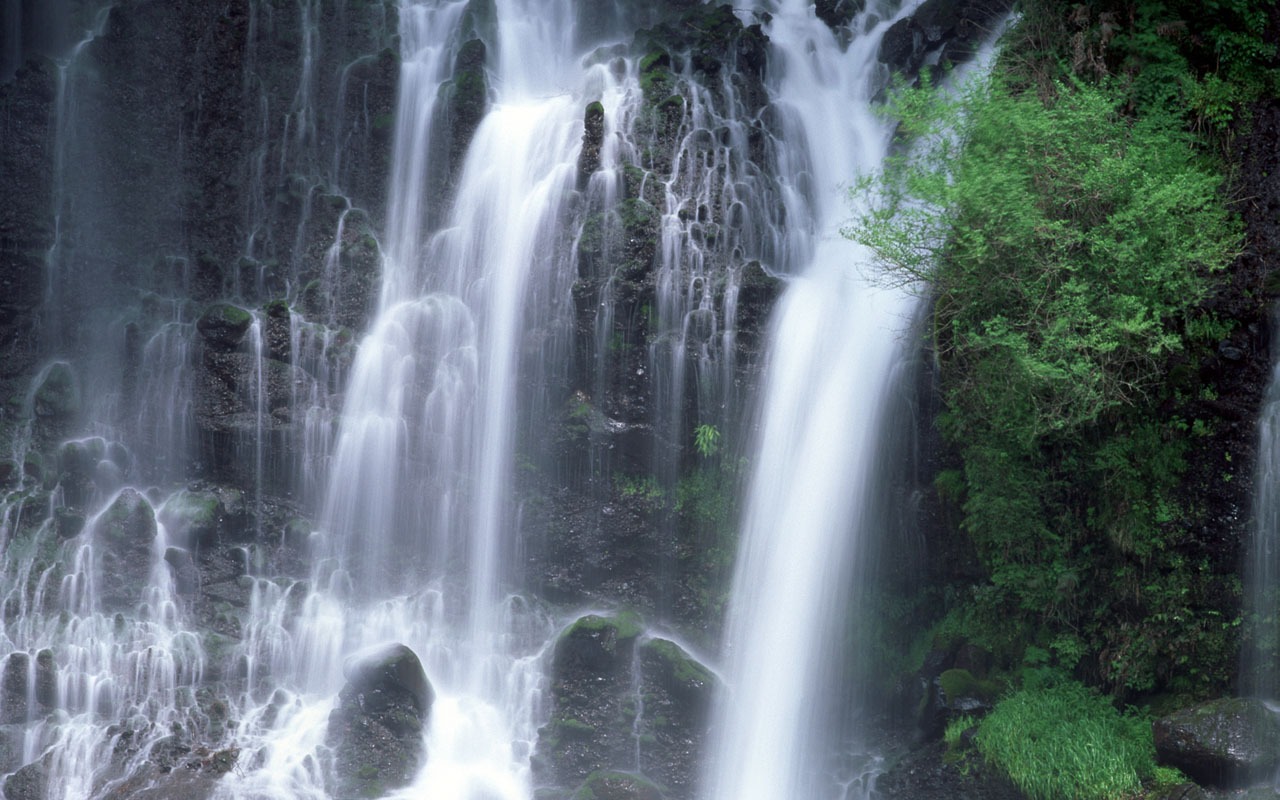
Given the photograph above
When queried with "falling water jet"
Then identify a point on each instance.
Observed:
(835, 339)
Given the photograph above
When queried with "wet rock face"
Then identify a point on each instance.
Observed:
(376, 731)
(177, 769)
(125, 533)
(26, 215)
(947, 31)
(31, 782)
(925, 773)
(838, 13)
(24, 695)
(622, 705)
(1224, 743)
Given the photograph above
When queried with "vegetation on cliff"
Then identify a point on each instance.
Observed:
(1072, 217)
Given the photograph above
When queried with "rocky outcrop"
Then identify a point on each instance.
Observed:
(176, 768)
(1225, 743)
(940, 31)
(621, 704)
(376, 731)
(26, 218)
(28, 687)
(926, 772)
(31, 782)
(124, 537)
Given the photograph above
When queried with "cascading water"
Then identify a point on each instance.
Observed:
(818, 492)
(167, 603)
(1260, 677)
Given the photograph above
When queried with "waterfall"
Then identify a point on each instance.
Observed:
(809, 516)
(317, 367)
(1262, 567)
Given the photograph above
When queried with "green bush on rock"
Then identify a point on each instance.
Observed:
(1068, 249)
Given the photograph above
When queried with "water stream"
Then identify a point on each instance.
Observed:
(808, 517)
(405, 458)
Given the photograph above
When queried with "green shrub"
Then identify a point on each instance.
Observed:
(1066, 743)
(1068, 249)
(956, 728)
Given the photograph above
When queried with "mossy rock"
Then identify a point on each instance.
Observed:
(479, 20)
(223, 326)
(965, 693)
(592, 142)
(678, 672)
(193, 515)
(622, 628)
(124, 535)
(606, 785)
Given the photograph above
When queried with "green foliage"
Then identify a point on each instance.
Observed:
(956, 728)
(644, 488)
(1067, 247)
(1091, 236)
(1199, 61)
(1064, 742)
(706, 440)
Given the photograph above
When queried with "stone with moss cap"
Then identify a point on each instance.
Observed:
(377, 727)
(223, 326)
(593, 700)
(605, 785)
(124, 535)
(592, 142)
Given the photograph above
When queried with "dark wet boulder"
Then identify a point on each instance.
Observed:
(24, 695)
(1227, 743)
(593, 699)
(838, 14)
(223, 326)
(930, 772)
(592, 141)
(58, 395)
(946, 31)
(192, 518)
(377, 728)
(617, 697)
(176, 769)
(31, 782)
(125, 534)
(465, 99)
(677, 693)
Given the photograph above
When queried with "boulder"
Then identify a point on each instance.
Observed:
(947, 30)
(125, 534)
(930, 772)
(22, 698)
(593, 701)
(31, 782)
(1226, 743)
(629, 714)
(592, 142)
(838, 14)
(376, 731)
(192, 518)
(223, 326)
(678, 693)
